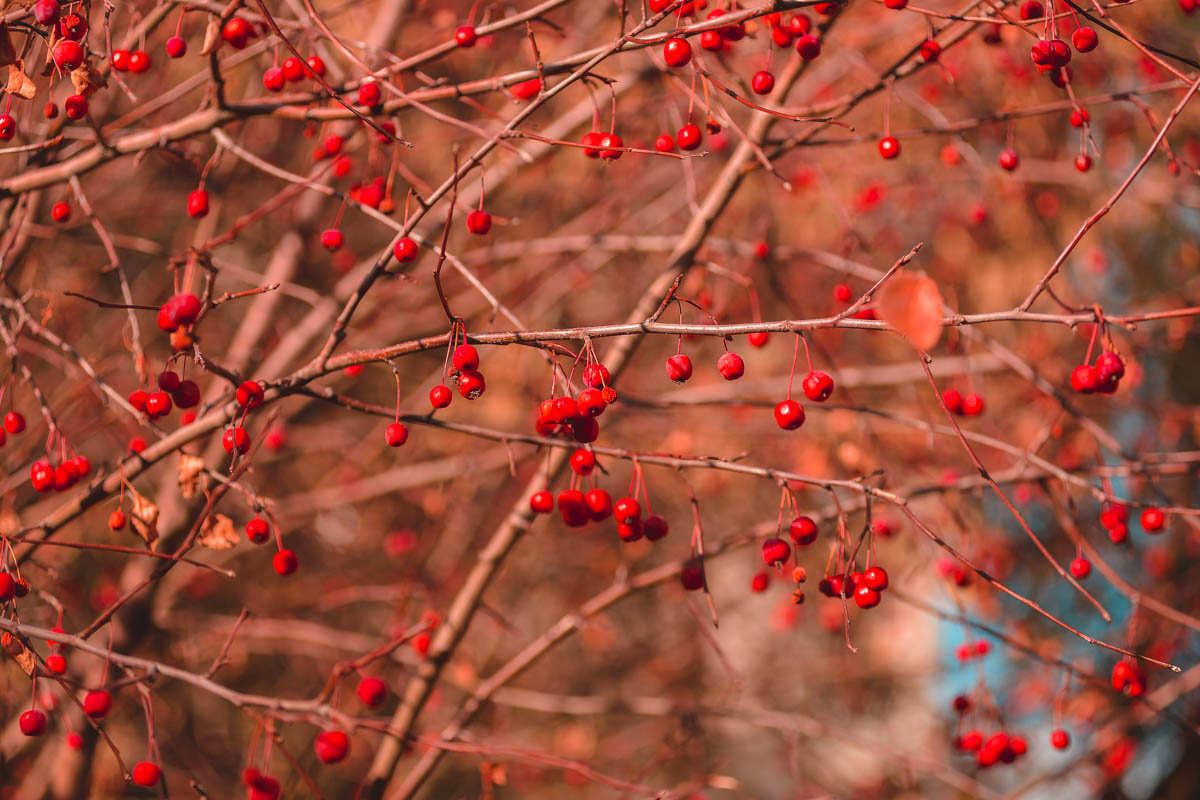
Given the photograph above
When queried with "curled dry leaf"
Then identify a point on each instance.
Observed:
(144, 516)
(19, 83)
(87, 79)
(217, 532)
(912, 305)
(16, 649)
(191, 471)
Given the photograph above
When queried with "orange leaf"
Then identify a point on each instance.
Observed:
(912, 305)
(19, 83)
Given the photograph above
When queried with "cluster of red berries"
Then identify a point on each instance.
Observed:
(135, 61)
(969, 650)
(1114, 517)
(577, 416)
(292, 70)
(999, 748)
(865, 587)
(970, 405)
(172, 391)
(237, 32)
(602, 145)
(1129, 678)
(45, 476)
(1103, 377)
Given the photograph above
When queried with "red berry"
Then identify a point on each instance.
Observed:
(316, 65)
(8, 127)
(32, 722)
(187, 395)
(68, 54)
(1085, 39)
(465, 36)
(146, 773)
(405, 250)
(591, 403)
(876, 578)
(592, 140)
(395, 434)
(1083, 162)
(1118, 533)
(843, 293)
(930, 51)
(817, 386)
(789, 415)
(285, 562)
(731, 366)
(249, 394)
(1080, 568)
(655, 527)
(626, 510)
(479, 222)
(953, 401)
(176, 47)
(75, 106)
(439, 396)
(527, 89)
(692, 575)
(677, 52)
(762, 82)
(197, 204)
(257, 530)
(471, 384)
(583, 462)
(629, 531)
(775, 551)
(158, 404)
(664, 143)
(972, 405)
(1060, 739)
(56, 663)
(611, 144)
(14, 422)
(808, 46)
(236, 439)
(802, 531)
(1152, 520)
(679, 368)
(139, 61)
(542, 502)
(97, 704)
(8, 587)
(599, 504)
(1084, 379)
(369, 94)
(866, 597)
(371, 691)
(688, 137)
(1109, 366)
(1009, 160)
(45, 11)
(758, 338)
(760, 582)
(1032, 9)
(465, 357)
(119, 60)
(332, 239)
(889, 147)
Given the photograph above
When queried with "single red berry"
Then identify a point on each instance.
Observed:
(1083, 162)
(876, 578)
(817, 386)
(692, 575)
(471, 384)
(1032, 9)
(32, 722)
(1080, 567)
(465, 357)
(273, 79)
(439, 396)
(14, 422)
(677, 52)
(808, 46)
(75, 106)
(1084, 379)
(45, 11)
(258, 531)
(775, 551)
(119, 60)
(187, 395)
(526, 90)
(789, 415)
(599, 504)
(479, 222)
(1153, 520)
(371, 691)
(762, 82)
(293, 69)
(116, 520)
(249, 394)
(731, 366)
(73, 26)
(8, 127)
(611, 145)
(1009, 160)
(972, 405)
(158, 404)
(592, 140)
(8, 587)
(1085, 39)
(961, 703)
(176, 47)
(542, 502)
(369, 94)
(236, 439)
(395, 434)
(146, 773)
(1118, 533)
(760, 582)
(405, 250)
(688, 137)
(596, 376)
(1109, 366)
(197, 204)
(139, 61)
(889, 147)
(583, 462)
(168, 380)
(627, 509)
(315, 65)
(655, 527)
(758, 338)
(285, 562)
(1060, 739)
(97, 704)
(465, 36)
(866, 597)
(1079, 117)
(664, 143)
(802, 531)
(332, 239)
(679, 368)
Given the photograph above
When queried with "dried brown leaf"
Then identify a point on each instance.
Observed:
(19, 83)
(217, 532)
(87, 79)
(19, 653)
(144, 516)
(191, 471)
(912, 305)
